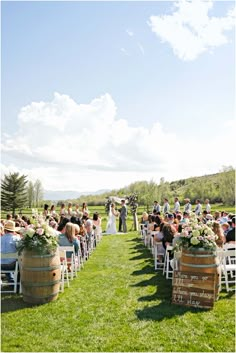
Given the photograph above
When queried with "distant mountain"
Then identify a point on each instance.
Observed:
(69, 194)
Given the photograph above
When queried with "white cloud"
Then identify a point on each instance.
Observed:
(130, 33)
(190, 31)
(86, 147)
(141, 48)
(124, 51)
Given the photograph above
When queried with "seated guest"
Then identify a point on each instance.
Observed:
(89, 232)
(230, 236)
(9, 245)
(69, 238)
(169, 233)
(225, 227)
(185, 218)
(61, 226)
(144, 218)
(158, 238)
(217, 229)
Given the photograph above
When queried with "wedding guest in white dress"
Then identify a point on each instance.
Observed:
(111, 224)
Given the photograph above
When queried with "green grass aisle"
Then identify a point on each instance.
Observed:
(118, 303)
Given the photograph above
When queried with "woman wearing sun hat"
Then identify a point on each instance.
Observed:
(8, 245)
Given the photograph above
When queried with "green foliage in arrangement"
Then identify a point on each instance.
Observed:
(13, 192)
(118, 303)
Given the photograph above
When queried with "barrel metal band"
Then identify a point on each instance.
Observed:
(41, 268)
(199, 266)
(40, 284)
(199, 255)
(40, 256)
(41, 296)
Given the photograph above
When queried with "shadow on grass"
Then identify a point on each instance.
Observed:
(163, 294)
(8, 303)
(165, 310)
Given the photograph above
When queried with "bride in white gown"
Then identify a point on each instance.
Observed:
(111, 224)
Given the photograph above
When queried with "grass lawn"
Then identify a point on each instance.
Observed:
(118, 303)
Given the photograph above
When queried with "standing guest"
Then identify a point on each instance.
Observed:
(198, 208)
(77, 212)
(53, 211)
(45, 211)
(208, 206)
(217, 229)
(156, 207)
(62, 211)
(122, 217)
(69, 212)
(84, 208)
(187, 206)
(9, 245)
(176, 205)
(97, 221)
(230, 237)
(166, 206)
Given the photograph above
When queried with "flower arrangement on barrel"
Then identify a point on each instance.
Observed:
(38, 237)
(196, 235)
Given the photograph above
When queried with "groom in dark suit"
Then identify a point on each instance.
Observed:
(123, 216)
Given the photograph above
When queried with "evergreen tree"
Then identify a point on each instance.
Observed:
(13, 192)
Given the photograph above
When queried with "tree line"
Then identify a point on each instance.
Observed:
(17, 192)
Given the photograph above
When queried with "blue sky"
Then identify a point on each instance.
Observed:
(123, 69)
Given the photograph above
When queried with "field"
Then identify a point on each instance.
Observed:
(118, 303)
(101, 211)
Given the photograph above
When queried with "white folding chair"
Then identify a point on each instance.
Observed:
(158, 256)
(15, 273)
(167, 269)
(72, 260)
(64, 269)
(228, 269)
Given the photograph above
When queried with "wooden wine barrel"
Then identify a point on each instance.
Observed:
(40, 277)
(201, 261)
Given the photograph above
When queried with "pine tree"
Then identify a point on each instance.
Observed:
(13, 192)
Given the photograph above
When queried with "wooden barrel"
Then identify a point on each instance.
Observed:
(40, 277)
(201, 261)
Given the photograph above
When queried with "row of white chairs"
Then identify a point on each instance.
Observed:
(167, 263)
(70, 265)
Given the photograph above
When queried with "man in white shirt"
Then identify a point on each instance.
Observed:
(176, 205)
(208, 206)
(156, 207)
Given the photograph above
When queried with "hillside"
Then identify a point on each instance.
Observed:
(218, 187)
